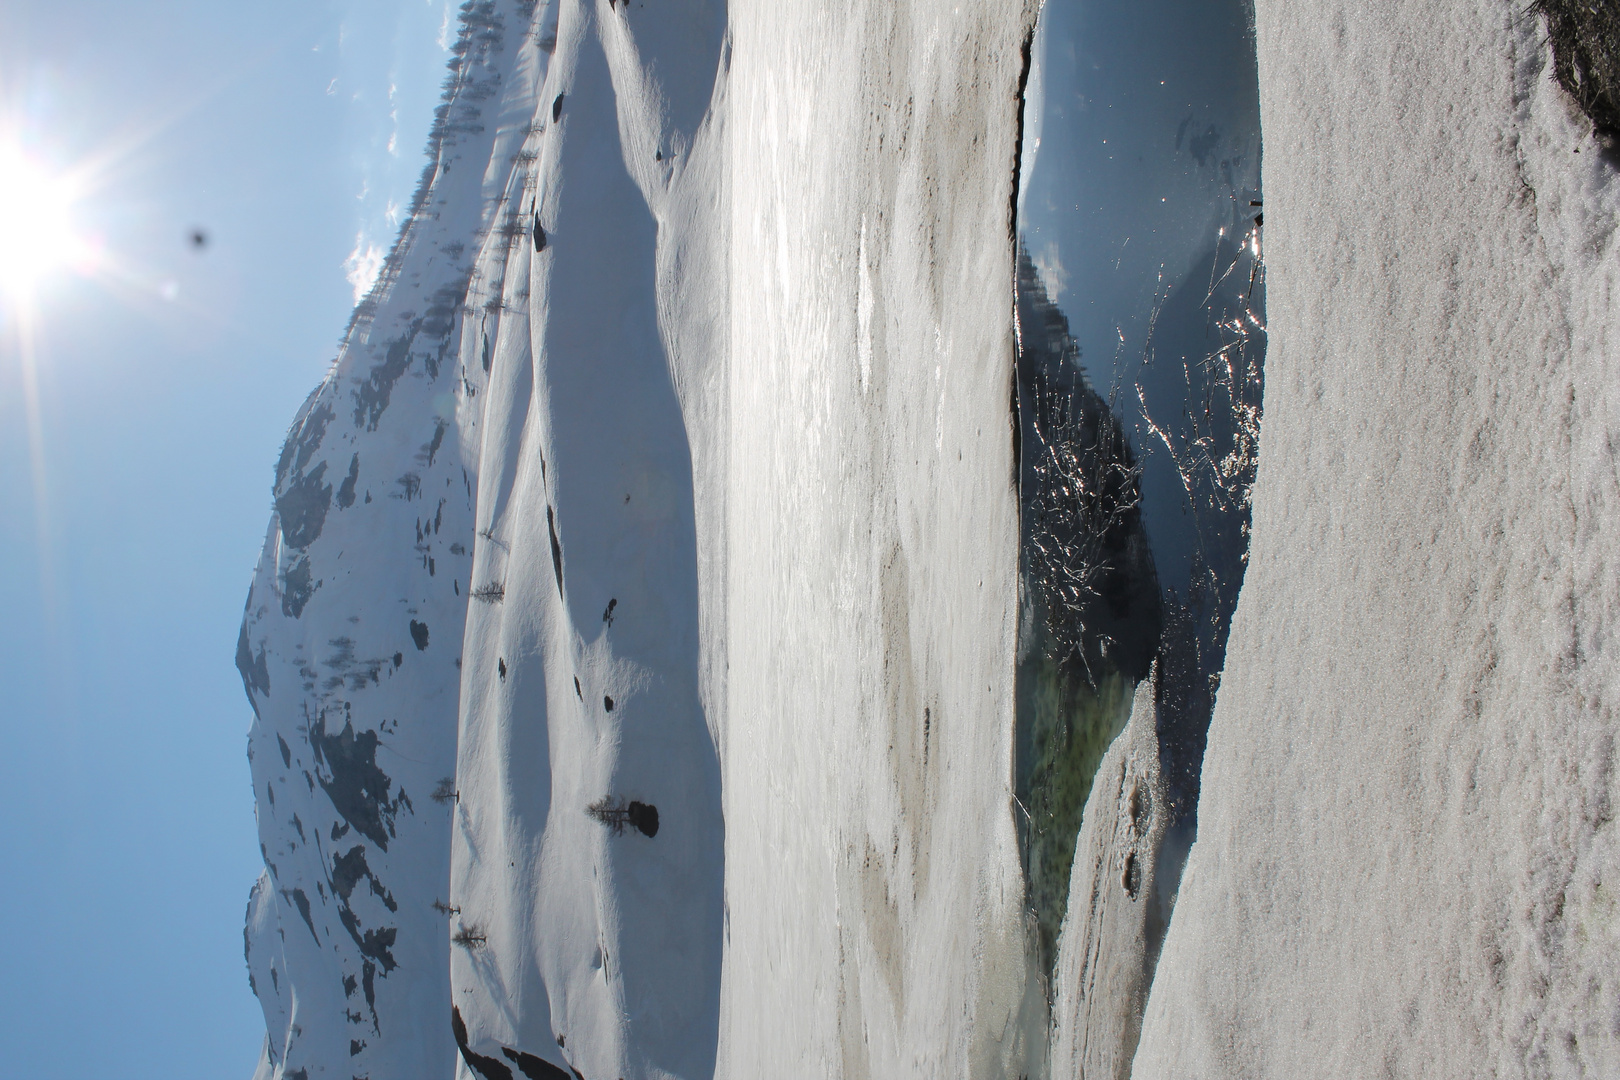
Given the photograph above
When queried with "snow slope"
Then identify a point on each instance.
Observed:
(351, 644)
(1406, 851)
(601, 944)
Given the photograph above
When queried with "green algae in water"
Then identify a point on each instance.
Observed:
(1072, 724)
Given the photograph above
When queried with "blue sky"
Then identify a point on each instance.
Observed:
(129, 528)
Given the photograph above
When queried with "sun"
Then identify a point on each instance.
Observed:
(38, 232)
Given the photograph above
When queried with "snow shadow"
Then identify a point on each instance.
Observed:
(626, 550)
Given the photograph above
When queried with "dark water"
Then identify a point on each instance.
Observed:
(1141, 300)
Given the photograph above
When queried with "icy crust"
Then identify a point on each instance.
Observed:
(1406, 856)
(350, 646)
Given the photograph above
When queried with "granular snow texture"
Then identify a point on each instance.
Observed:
(1406, 853)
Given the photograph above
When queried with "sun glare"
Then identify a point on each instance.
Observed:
(37, 230)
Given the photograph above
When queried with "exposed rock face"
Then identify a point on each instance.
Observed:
(1585, 40)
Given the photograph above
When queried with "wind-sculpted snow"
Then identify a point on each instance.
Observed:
(350, 647)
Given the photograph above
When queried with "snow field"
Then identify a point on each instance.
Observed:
(583, 682)
(873, 887)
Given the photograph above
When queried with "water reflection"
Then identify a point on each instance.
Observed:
(1141, 327)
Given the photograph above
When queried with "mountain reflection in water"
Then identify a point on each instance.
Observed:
(1141, 301)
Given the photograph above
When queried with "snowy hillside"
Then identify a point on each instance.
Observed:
(597, 935)
(351, 645)
(758, 593)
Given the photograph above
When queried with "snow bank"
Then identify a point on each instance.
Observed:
(1406, 846)
(1105, 961)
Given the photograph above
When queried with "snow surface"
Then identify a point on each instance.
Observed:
(1406, 850)
(1105, 961)
(873, 888)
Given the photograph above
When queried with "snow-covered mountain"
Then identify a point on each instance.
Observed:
(750, 596)
(351, 647)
